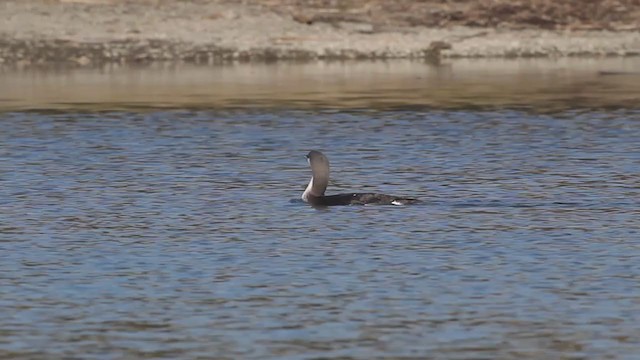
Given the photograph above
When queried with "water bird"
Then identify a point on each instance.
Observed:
(314, 193)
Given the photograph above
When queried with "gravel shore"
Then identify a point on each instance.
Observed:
(94, 32)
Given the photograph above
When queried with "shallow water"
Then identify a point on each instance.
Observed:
(179, 234)
(539, 85)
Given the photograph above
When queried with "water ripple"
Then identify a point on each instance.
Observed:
(180, 235)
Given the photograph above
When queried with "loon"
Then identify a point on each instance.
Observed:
(314, 193)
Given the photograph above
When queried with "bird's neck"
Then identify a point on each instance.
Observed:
(317, 186)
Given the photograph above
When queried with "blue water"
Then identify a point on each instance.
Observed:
(179, 235)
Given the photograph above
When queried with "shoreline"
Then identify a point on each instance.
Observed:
(98, 32)
(534, 85)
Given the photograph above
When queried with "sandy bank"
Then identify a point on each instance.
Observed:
(90, 32)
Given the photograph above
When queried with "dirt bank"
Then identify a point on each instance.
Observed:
(617, 15)
(92, 32)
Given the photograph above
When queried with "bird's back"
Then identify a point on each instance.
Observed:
(362, 199)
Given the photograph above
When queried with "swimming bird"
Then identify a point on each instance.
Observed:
(314, 193)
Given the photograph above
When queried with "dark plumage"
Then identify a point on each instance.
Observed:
(314, 193)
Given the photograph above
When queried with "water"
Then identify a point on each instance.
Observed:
(178, 233)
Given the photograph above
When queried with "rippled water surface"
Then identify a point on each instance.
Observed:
(179, 234)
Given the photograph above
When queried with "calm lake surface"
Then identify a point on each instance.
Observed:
(173, 229)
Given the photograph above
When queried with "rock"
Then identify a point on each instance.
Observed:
(82, 60)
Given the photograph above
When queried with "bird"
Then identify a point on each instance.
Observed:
(314, 193)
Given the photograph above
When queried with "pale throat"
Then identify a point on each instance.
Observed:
(318, 183)
(317, 186)
(308, 190)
